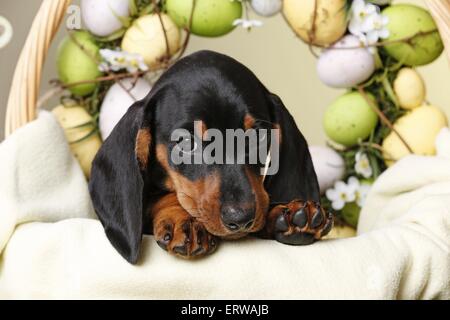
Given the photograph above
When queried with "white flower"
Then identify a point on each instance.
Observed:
(368, 24)
(115, 60)
(368, 42)
(362, 165)
(375, 26)
(247, 24)
(353, 183)
(352, 191)
(341, 194)
(360, 10)
(361, 194)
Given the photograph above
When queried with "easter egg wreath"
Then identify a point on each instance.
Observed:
(371, 48)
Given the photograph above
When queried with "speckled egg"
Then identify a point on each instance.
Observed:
(75, 62)
(350, 119)
(267, 8)
(341, 232)
(409, 88)
(146, 37)
(419, 128)
(345, 68)
(117, 101)
(101, 16)
(330, 19)
(211, 18)
(79, 129)
(405, 21)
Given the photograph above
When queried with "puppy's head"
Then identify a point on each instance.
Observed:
(182, 133)
(215, 183)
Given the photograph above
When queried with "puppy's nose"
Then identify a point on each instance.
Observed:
(237, 219)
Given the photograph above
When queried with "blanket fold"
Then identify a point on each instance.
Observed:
(52, 246)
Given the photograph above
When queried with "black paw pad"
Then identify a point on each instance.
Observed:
(300, 218)
(317, 219)
(281, 224)
(301, 223)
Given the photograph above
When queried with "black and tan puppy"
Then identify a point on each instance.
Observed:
(137, 188)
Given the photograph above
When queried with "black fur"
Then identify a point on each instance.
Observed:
(203, 86)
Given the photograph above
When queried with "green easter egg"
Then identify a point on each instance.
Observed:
(350, 118)
(350, 213)
(406, 20)
(211, 18)
(76, 64)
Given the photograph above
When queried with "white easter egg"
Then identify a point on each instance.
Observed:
(338, 67)
(100, 16)
(6, 32)
(267, 8)
(117, 101)
(329, 166)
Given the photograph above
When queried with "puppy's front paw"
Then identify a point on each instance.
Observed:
(185, 237)
(299, 222)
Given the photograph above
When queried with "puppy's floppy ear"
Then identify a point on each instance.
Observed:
(296, 178)
(117, 183)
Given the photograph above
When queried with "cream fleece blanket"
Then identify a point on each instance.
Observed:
(52, 247)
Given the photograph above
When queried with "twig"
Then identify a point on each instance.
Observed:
(312, 32)
(109, 77)
(188, 32)
(383, 118)
(379, 148)
(48, 95)
(407, 40)
(96, 61)
(82, 48)
(158, 12)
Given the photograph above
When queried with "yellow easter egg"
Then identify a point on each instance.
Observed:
(79, 131)
(146, 37)
(341, 232)
(419, 128)
(409, 88)
(329, 25)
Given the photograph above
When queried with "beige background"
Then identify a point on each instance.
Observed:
(280, 60)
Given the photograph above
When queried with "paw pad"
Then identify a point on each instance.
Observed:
(301, 223)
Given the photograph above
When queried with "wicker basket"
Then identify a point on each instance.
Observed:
(23, 96)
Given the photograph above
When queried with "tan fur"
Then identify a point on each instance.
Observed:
(142, 148)
(249, 121)
(201, 198)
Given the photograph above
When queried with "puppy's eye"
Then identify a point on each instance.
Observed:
(187, 145)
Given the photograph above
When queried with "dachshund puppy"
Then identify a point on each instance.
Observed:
(137, 187)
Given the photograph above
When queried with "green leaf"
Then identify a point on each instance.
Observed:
(147, 10)
(390, 91)
(90, 134)
(374, 164)
(347, 7)
(83, 125)
(133, 8)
